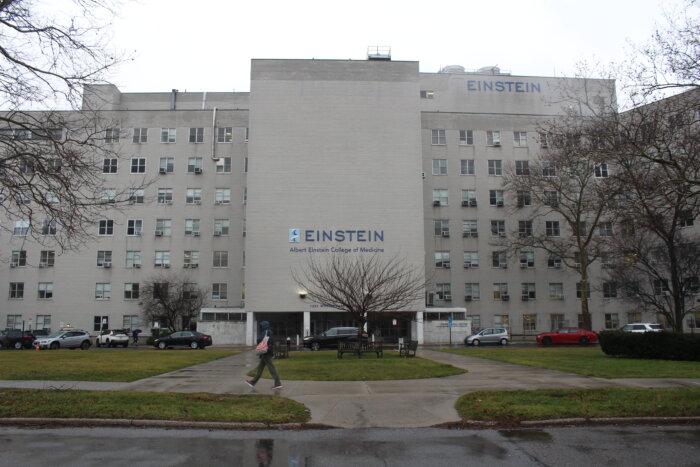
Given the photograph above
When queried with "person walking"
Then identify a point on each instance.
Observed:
(266, 358)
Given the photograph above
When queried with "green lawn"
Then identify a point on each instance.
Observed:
(588, 361)
(32, 403)
(99, 365)
(545, 404)
(325, 366)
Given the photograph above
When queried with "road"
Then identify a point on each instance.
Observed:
(594, 445)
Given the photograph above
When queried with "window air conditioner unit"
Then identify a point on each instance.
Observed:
(465, 234)
(157, 265)
(217, 233)
(467, 265)
(544, 145)
(465, 203)
(436, 203)
(505, 298)
(195, 234)
(137, 266)
(186, 265)
(501, 234)
(166, 266)
(561, 297)
(43, 265)
(446, 233)
(162, 171)
(525, 298)
(497, 144)
(197, 202)
(520, 204)
(218, 202)
(577, 265)
(197, 170)
(132, 201)
(13, 265)
(522, 234)
(503, 266)
(475, 234)
(447, 297)
(195, 265)
(168, 201)
(499, 204)
(523, 265)
(106, 265)
(446, 264)
(472, 202)
(467, 298)
(159, 233)
(557, 265)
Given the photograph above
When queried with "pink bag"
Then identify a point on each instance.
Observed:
(261, 349)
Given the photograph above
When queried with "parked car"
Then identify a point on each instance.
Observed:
(68, 339)
(331, 337)
(16, 339)
(39, 333)
(112, 338)
(567, 336)
(642, 327)
(193, 339)
(489, 336)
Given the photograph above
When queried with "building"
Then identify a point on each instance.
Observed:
(320, 157)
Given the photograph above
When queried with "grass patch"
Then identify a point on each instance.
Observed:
(588, 361)
(546, 404)
(99, 365)
(326, 366)
(34, 403)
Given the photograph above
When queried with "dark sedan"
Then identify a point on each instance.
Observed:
(331, 338)
(191, 339)
(567, 336)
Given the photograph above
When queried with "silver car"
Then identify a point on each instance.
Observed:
(642, 327)
(68, 339)
(489, 336)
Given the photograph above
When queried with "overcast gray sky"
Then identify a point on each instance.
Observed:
(207, 45)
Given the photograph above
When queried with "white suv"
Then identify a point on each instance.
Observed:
(112, 338)
(642, 327)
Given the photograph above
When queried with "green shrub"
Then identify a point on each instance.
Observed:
(656, 345)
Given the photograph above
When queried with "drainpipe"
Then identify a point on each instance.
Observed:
(213, 135)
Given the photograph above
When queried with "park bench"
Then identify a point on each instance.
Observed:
(406, 348)
(358, 348)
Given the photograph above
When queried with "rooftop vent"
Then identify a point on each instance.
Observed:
(489, 70)
(379, 52)
(452, 69)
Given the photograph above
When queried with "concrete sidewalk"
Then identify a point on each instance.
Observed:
(366, 404)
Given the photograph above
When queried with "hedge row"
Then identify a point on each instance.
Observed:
(657, 345)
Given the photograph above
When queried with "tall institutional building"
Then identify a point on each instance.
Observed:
(321, 157)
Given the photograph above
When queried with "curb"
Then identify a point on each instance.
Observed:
(172, 424)
(483, 424)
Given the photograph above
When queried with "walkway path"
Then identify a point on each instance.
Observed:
(364, 404)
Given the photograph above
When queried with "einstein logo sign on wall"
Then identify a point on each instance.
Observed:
(294, 236)
(336, 236)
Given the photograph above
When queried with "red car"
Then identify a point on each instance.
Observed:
(567, 336)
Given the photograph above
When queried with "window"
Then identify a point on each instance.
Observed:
(224, 134)
(23, 197)
(219, 291)
(220, 259)
(192, 227)
(47, 258)
(468, 197)
(21, 228)
(691, 285)
(466, 137)
(130, 321)
(544, 140)
(528, 291)
(427, 94)
(162, 259)
(109, 165)
(498, 228)
(522, 168)
(472, 292)
(556, 291)
(166, 165)
(606, 229)
(100, 322)
(527, 259)
(51, 197)
(45, 290)
(440, 197)
(441, 226)
(14, 321)
(467, 167)
(131, 292)
(223, 165)
(495, 167)
(134, 227)
(194, 196)
(439, 166)
(108, 195)
(189, 291)
(552, 228)
(19, 258)
(557, 320)
(168, 135)
(140, 135)
(580, 229)
(221, 226)
(165, 196)
(438, 137)
(520, 139)
(500, 290)
(549, 169)
(104, 256)
(469, 228)
(550, 198)
(103, 291)
(525, 229)
(112, 135)
(493, 138)
(609, 290)
(443, 291)
(138, 165)
(135, 196)
(686, 219)
(164, 227)
(660, 287)
(17, 290)
(601, 171)
(471, 259)
(579, 293)
(106, 227)
(496, 198)
(222, 196)
(499, 259)
(529, 322)
(133, 259)
(191, 259)
(612, 321)
(196, 135)
(442, 259)
(43, 322)
(524, 198)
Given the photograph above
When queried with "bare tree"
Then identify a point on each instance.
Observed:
(171, 301)
(51, 162)
(365, 286)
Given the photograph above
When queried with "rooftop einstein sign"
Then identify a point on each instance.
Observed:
(479, 85)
